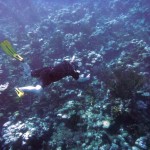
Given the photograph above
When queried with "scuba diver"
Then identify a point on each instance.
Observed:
(47, 75)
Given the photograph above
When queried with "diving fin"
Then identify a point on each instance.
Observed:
(9, 50)
(19, 92)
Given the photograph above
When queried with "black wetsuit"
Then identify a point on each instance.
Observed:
(48, 75)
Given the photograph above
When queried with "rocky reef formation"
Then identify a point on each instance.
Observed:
(110, 40)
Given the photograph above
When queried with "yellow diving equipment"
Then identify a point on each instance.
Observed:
(19, 92)
(8, 49)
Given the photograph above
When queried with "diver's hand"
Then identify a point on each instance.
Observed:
(84, 79)
(88, 77)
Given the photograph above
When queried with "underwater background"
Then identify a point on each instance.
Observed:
(111, 41)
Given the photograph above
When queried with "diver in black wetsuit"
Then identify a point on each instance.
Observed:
(48, 75)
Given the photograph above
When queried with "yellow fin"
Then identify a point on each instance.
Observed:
(9, 50)
(19, 92)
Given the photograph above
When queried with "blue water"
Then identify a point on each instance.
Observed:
(111, 41)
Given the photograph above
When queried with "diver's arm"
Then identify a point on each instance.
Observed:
(31, 89)
(83, 78)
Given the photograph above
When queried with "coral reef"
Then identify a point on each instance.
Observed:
(110, 40)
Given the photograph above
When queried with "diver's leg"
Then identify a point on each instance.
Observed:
(26, 68)
(37, 72)
(29, 89)
(36, 88)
